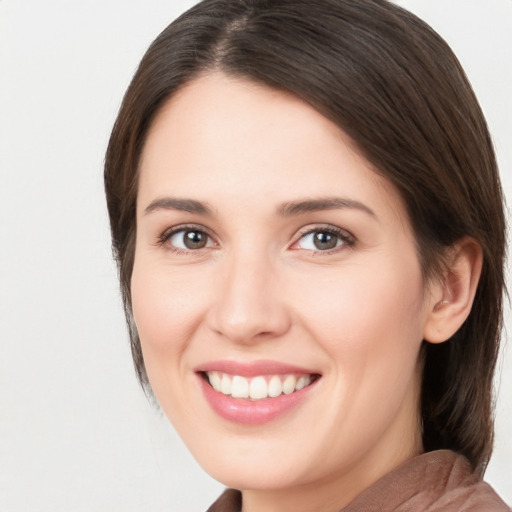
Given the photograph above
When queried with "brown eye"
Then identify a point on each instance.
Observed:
(324, 241)
(195, 239)
(189, 239)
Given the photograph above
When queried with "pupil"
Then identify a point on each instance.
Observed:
(194, 240)
(325, 241)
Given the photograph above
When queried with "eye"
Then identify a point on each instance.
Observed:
(324, 240)
(187, 239)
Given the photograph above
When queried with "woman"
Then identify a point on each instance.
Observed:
(308, 221)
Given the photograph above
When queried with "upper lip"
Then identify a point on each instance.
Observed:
(254, 368)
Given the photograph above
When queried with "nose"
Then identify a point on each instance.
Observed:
(250, 305)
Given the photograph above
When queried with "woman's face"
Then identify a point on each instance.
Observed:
(277, 292)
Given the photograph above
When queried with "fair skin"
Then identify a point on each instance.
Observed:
(264, 239)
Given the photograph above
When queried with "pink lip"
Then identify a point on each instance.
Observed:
(252, 412)
(254, 368)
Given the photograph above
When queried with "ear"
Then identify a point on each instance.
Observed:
(453, 294)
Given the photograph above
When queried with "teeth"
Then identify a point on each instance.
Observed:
(239, 387)
(275, 386)
(302, 382)
(257, 388)
(289, 384)
(225, 385)
(215, 380)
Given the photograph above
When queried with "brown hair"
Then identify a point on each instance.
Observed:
(395, 87)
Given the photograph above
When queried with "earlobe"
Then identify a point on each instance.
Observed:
(454, 294)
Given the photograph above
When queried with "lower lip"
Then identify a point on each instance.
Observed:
(252, 412)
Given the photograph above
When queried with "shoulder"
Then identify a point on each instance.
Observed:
(464, 490)
(440, 481)
(480, 498)
(229, 501)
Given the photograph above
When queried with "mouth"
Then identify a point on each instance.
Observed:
(259, 387)
(255, 393)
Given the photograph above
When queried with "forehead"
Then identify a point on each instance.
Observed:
(219, 137)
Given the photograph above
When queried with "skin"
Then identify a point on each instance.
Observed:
(260, 289)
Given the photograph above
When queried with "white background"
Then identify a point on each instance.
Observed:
(76, 433)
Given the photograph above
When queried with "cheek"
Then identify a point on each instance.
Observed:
(368, 319)
(166, 312)
(167, 309)
(369, 325)
(164, 307)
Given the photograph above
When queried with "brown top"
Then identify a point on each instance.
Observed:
(439, 481)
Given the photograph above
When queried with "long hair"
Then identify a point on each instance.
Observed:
(395, 87)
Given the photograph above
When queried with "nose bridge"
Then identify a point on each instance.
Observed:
(248, 305)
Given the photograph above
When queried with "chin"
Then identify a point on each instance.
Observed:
(253, 476)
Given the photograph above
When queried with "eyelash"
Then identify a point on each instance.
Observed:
(346, 238)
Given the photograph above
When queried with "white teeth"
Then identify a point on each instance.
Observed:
(215, 380)
(239, 387)
(289, 384)
(275, 387)
(257, 388)
(225, 385)
(302, 382)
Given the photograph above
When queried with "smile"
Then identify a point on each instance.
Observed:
(259, 387)
(256, 392)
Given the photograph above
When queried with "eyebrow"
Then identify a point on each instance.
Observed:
(291, 208)
(287, 209)
(183, 205)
